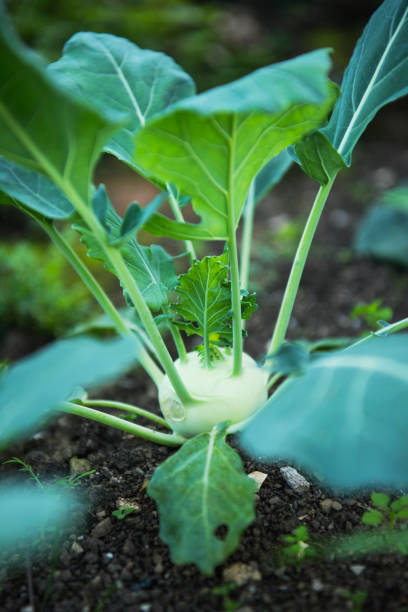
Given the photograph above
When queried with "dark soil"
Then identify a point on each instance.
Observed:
(106, 564)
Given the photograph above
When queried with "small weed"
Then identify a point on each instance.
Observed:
(357, 599)
(372, 314)
(224, 591)
(385, 511)
(122, 512)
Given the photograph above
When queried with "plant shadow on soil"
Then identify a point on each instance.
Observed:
(115, 565)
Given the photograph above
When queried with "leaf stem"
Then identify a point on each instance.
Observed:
(103, 403)
(246, 240)
(178, 215)
(384, 331)
(112, 421)
(234, 266)
(116, 259)
(298, 265)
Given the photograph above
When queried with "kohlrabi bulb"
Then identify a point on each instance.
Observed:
(223, 397)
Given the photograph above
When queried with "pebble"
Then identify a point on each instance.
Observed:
(296, 481)
(259, 478)
(317, 585)
(79, 466)
(240, 573)
(330, 504)
(102, 528)
(77, 548)
(357, 569)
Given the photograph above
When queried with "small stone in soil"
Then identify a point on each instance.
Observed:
(296, 481)
(145, 583)
(102, 528)
(240, 573)
(259, 478)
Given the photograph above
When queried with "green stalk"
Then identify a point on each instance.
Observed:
(102, 403)
(103, 300)
(234, 266)
(384, 331)
(129, 282)
(298, 265)
(178, 340)
(87, 278)
(178, 215)
(112, 421)
(246, 240)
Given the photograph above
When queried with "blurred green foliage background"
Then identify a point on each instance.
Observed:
(214, 41)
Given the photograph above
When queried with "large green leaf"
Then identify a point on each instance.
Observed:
(41, 127)
(199, 489)
(107, 71)
(31, 389)
(152, 268)
(32, 189)
(345, 419)
(211, 146)
(377, 74)
(48, 510)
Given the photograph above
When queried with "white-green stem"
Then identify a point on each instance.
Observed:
(112, 421)
(246, 240)
(234, 266)
(178, 215)
(392, 328)
(135, 294)
(102, 403)
(298, 265)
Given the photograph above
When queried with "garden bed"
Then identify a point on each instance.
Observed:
(109, 564)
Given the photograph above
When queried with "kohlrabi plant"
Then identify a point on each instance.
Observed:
(342, 415)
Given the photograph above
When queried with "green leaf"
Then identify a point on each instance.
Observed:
(160, 225)
(205, 300)
(290, 358)
(381, 500)
(48, 510)
(42, 128)
(372, 517)
(136, 216)
(271, 174)
(152, 268)
(212, 146)
(344, 419)
(32, 389)
(377, 74)
(402, 514)
(248, 303)
(383, 234)
(199, 489)
(318, 158)
(400, 503)
(107, 71)
(33, 190)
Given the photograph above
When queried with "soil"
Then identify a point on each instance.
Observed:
(112, 565)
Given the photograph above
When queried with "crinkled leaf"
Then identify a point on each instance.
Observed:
(33, 190)
(248, 303)
(213, 145)
(48, 510)
(151, 267)
(318, 158)
(345, 418)
(32, 389)
(383, 234)
(43, 128)
(204, 294)
(199, 489)
(107, 71)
